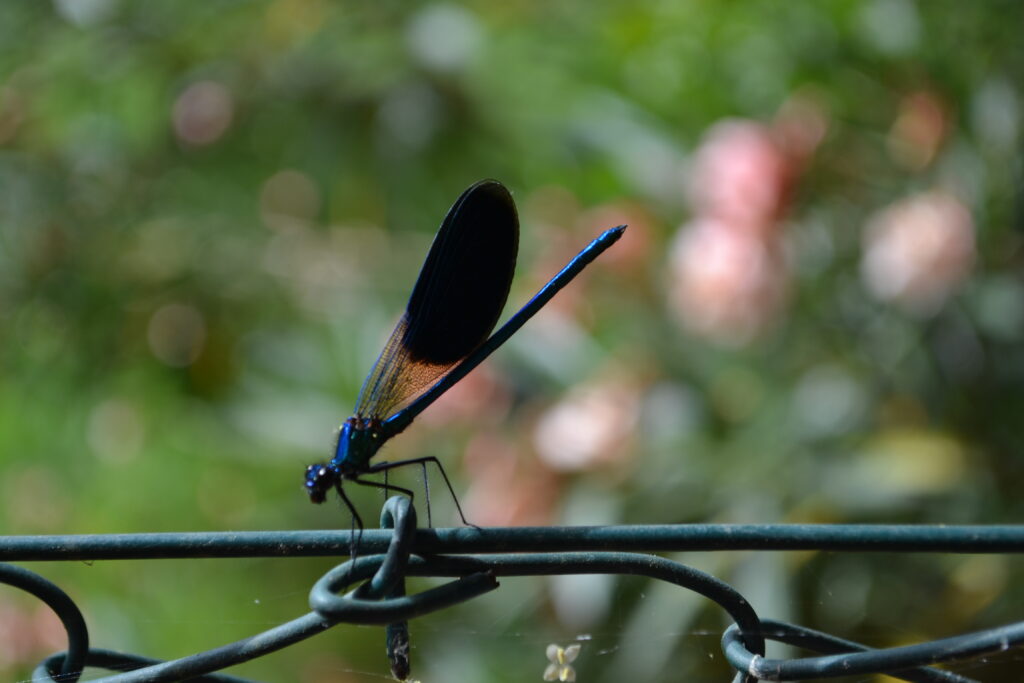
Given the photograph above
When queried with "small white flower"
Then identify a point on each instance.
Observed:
(561, 658)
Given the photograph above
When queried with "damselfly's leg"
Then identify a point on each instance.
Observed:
(382, 485)
(386, 487)
(356, 519)
(355, 537)
(426, 494)
(385, 466)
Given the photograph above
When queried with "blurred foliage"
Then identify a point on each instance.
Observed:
(211, 214)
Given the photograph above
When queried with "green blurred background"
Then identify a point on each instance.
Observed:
(211, 215)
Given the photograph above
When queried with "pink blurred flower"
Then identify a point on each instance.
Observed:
(559, 248)
(918, 251)
(799, 128)
(629, 254)
(12, 112)
(506, 489)
(28, 633)
(574, 229)
(725, 284)
(289, 197)
(176, 334)
(202, 113)
(740, 176)
(590, 427)
(550, 205)
(481, 397)
(38, 482)
(48, 629)
(918, 131)
(728, 276)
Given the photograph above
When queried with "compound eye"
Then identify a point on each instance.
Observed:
(319, 479)
(314, 472)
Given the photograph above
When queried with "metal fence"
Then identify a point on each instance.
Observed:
(370, 588)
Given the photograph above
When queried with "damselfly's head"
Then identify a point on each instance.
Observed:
(319, 480)
(357, 441)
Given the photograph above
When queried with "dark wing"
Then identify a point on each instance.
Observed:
(455, 304)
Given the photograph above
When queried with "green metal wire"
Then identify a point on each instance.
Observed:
(902, 538)
(475, 558)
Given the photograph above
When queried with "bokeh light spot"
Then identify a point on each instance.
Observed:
(918, 251)
(590, 427)
(288, 196)
(828, 401)
(176, 334)
(443, 36)
(892, 27)
(202, 113)
(115, 431)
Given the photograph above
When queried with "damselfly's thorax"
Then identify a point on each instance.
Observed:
(359, 439)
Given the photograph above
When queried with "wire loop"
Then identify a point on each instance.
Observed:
(370, 603)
